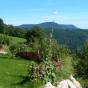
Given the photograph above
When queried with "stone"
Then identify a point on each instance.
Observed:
(49, 85)
(75, 82)
(62, 84)
(70, 84)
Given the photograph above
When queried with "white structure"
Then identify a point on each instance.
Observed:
(3, 52)
(75, 82)
(69, 83)
(62, 84)
(49, 85)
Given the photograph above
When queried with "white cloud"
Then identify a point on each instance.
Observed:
(78, 21)
(56, 12)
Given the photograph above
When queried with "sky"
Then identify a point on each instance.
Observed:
(19, 12)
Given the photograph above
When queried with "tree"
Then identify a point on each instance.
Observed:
(18, 32)
(1, 26)
(15, 31)
(82, 62)
(36, 33)
(10, 30)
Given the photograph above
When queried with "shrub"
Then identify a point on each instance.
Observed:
(46, 69)
(4, 40)
(51, 56)
(84, 82)
(30, 56)
(14, 48)
(81, 63)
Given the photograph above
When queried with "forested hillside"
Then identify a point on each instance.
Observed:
(72, 38)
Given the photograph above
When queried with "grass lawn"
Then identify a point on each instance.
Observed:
(12, 72)
(13, 39)
(17, 40)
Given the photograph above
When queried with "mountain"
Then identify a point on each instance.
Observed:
(27, 26)
(48, 25)
(69, 35)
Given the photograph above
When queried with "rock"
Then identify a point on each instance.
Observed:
(75, 82)
(70, 84)
(49, 85)
(62, 84)
(3, 52)
(66, 84)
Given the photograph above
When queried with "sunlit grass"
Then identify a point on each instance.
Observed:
(12, 71)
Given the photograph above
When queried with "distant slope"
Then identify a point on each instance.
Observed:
(49, 25)
(14, 40)
(27, 26)
(72, 38)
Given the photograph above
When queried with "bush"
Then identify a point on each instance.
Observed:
(81, 63)
(84, 82)
(30, 56)
(12, 49)
(67, 69)
(4, 39)
(52, 53)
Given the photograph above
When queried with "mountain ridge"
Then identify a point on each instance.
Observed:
(49, 25)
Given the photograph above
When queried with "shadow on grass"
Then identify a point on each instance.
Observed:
(26, 81)
(23, 80)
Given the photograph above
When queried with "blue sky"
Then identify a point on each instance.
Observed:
(18, 12)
